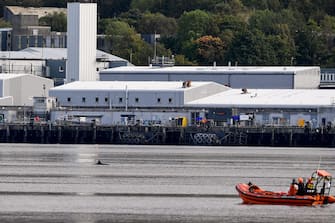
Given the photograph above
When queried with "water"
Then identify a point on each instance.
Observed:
(62, 183)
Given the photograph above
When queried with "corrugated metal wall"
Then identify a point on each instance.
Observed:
(82, 28)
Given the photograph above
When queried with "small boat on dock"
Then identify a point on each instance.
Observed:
(318, 195)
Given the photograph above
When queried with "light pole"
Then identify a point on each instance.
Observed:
(44, 90)
(24, 113)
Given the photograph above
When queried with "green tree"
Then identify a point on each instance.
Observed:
(173, 8)
(306, 7)
(264, 20)
(209, 49)
(57, 21)
(328, 25)
(188, 48)
(276, 27)
(112, 8)
(274, 5)
(231, 7)
(4, 24)
(171, 43)
(256, 4)
(132, 17)
(283, 48)
(157, 23)
(192, 25)
(329, 7)
(294, 19)
(126, 43)
(228, 26)
(311, 45)
(182, 60)
(250, 48)
(143, 5)
(328, 30)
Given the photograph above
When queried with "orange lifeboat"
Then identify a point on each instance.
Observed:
(252, 194)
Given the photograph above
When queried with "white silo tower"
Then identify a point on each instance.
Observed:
(81, 41)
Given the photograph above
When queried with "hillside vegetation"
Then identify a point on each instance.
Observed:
(243, 32)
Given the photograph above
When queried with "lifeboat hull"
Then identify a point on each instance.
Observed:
(255, 195)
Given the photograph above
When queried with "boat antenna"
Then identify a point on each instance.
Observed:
(319, 163)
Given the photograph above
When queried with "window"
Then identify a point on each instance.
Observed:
(83, 99)
(68, 99)
(97, 68)
(136, 100)
(276, 120)
(170, 100)
(35, 32)
(120, 100)
(158, 100)
(195, 118)
(96, 99)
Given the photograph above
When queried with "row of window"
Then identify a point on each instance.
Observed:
(328, 77)
(137, 100)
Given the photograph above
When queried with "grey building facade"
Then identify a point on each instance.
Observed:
(235, 77)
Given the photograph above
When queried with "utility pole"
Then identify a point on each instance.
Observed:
(155, 47)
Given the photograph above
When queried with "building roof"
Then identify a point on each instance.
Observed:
(229, 98)
(129, 85)
(19, 55)
(39, 53)
(6, 29)
(209, 69)
(261, 98)
(40, 12)
(6, 76)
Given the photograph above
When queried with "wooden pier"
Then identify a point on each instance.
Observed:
(160, 135)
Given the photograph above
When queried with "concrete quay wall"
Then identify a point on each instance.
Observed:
(159, 135)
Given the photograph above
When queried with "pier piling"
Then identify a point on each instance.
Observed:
(88, 134)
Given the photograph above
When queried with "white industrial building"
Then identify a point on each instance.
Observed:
(270, 77)
(282, 107)
(112, 102)
(19, 89)
(51, 62)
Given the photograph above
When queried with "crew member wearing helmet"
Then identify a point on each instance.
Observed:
(301, 186)
(310, 186)
(293, 188)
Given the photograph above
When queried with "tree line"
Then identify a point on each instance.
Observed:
(200, 32)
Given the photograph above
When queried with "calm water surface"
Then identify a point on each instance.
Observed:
(62, 183)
